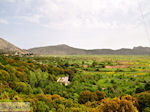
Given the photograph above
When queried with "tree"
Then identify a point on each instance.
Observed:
(55, 88)
(131, 99)
(4, 75)
(147, 86)
(22, 87)
(33, 79)
(143, 100)
(94, 63)
(140, 89)
(2, 66)
(42, 107)
(100, 95)
(146, 109)
(37, 90)
(116, 105)
(86, 96)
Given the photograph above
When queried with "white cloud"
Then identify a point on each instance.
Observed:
(103, 23)
(32, 18)
(81, 14)
(11, 1)
(3, 21)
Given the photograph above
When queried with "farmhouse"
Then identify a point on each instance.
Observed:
(64, 80)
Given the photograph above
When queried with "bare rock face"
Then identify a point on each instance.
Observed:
(5, 46)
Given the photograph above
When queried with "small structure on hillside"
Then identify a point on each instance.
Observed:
(64, 80)
(25, 53)
(6, 54)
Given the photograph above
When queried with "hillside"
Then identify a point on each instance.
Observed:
(63, 49)
(67, 50)
(58, 49)
(5, 46)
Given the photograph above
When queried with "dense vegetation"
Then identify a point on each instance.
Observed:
(97, 83)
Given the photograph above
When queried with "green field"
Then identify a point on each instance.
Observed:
(105, 83)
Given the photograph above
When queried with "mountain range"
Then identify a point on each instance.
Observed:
(63, 49)
(67, 50)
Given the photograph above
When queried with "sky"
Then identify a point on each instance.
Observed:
(88, 24)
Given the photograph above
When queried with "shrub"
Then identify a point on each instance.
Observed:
(147, 86)
(42, 107)
(131, 99)
(22, 87)
(139, 90)
(116, 105)
(86, 96)
(146, 109)
(4, 75)
(100, 95)
(143, 99)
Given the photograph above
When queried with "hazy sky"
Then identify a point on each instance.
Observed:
(85, 24)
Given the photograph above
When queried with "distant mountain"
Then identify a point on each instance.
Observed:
(7, 47)
(58, 49)
(67, 50)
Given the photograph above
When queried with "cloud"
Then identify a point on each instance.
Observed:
(13, 1)
(32, 19)
(81, 14)
(10, 1)
(3, 21)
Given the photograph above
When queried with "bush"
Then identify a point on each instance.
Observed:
(147, 86)
(116, 105)
(22, 87)
(100, 95)
(42, 107)
(37, 90)
(139, 90)
(86, 96)
(144, 100)
(146, 109)
(4, 75)
(55, 88)
(131, 99)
